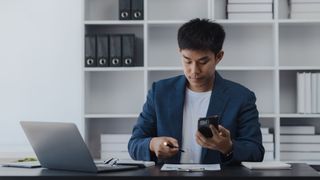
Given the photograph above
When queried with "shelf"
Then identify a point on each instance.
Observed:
(299, 67)
(115, 22)
(177, 9)
(298, 21)
(255, 22)
(103, 69)
(262, 55)
(93, 116)
(299, 115)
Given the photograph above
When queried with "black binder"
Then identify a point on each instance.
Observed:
(102, 50)
(115, 50)
(127, 43)
(90, 51)
(137, 9)
(124, 9)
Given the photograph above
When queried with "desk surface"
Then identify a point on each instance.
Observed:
(298, 171)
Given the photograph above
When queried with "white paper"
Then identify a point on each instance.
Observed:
(190, 167)
(266, 165)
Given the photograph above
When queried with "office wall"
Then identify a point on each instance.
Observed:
(40, 66)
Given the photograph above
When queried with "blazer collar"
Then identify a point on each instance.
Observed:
(218, 101)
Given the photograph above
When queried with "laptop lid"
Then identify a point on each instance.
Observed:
(59, 146)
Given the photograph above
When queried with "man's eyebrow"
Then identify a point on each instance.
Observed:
(202, 58)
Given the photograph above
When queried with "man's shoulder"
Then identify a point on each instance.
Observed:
(170, 81)
(236, 88)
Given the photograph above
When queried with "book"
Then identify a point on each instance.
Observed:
(115, 138)
(267, 137)
(234, 8)
(300, 156)
(297, 130)
(268, 156)
(300, 147)
(305, 7)
(314, 91)
(249, 1)
(266, 165)
(300, 138)
(264, 130)
(300, 92)
(318, 93)
(268, 146)
(304, 1)
(250, 16)
(307, 93)
(305, 15)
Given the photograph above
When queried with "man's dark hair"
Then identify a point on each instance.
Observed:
(201, 34)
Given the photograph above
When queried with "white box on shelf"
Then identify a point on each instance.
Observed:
(234, 8)
(298, 156)
(302, 147)
(250, 16)
(300, 138)
(297, 130)
(267, 137)
(268, 146)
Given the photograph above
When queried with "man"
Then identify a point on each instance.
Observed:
(168, 122)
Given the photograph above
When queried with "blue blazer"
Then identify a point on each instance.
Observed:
(162, 115)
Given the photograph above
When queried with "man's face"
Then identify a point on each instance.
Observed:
(199, 68)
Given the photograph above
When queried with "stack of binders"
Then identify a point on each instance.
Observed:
(131, 9)
(112, 50)
(268, 144)
(250, 9)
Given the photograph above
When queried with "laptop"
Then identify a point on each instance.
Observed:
(60, 146)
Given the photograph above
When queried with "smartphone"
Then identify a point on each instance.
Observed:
(204, 125)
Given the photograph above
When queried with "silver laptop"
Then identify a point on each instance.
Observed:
(60, 146)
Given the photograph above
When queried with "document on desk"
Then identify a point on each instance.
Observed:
(266, 165)
(190, 167)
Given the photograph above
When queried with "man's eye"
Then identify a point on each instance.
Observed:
(187, 62)
(203, 62)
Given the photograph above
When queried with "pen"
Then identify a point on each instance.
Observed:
(172, 146)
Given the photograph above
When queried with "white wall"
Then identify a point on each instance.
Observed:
(40, 66)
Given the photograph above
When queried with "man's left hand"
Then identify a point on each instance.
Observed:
(220, 140)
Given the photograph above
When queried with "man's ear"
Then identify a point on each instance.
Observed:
(219, 56)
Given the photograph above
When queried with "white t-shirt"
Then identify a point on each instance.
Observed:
(195, 106)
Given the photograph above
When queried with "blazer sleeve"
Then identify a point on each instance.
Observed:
(144, 130)
(247, 145)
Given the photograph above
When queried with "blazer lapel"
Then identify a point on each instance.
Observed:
(217, 104)
(177, 101)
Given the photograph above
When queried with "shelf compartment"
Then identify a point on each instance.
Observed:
(97, 126)
(288, 91)
(114, 92)
(101, 10)
(135, 29)
(163, 45)
(248, 45)
(177, 9)
(299, 44)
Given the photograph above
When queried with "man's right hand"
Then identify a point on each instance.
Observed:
(158, 146)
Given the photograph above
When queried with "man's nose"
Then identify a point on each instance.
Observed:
(195, 68)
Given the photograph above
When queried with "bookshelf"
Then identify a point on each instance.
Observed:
(263, 55)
